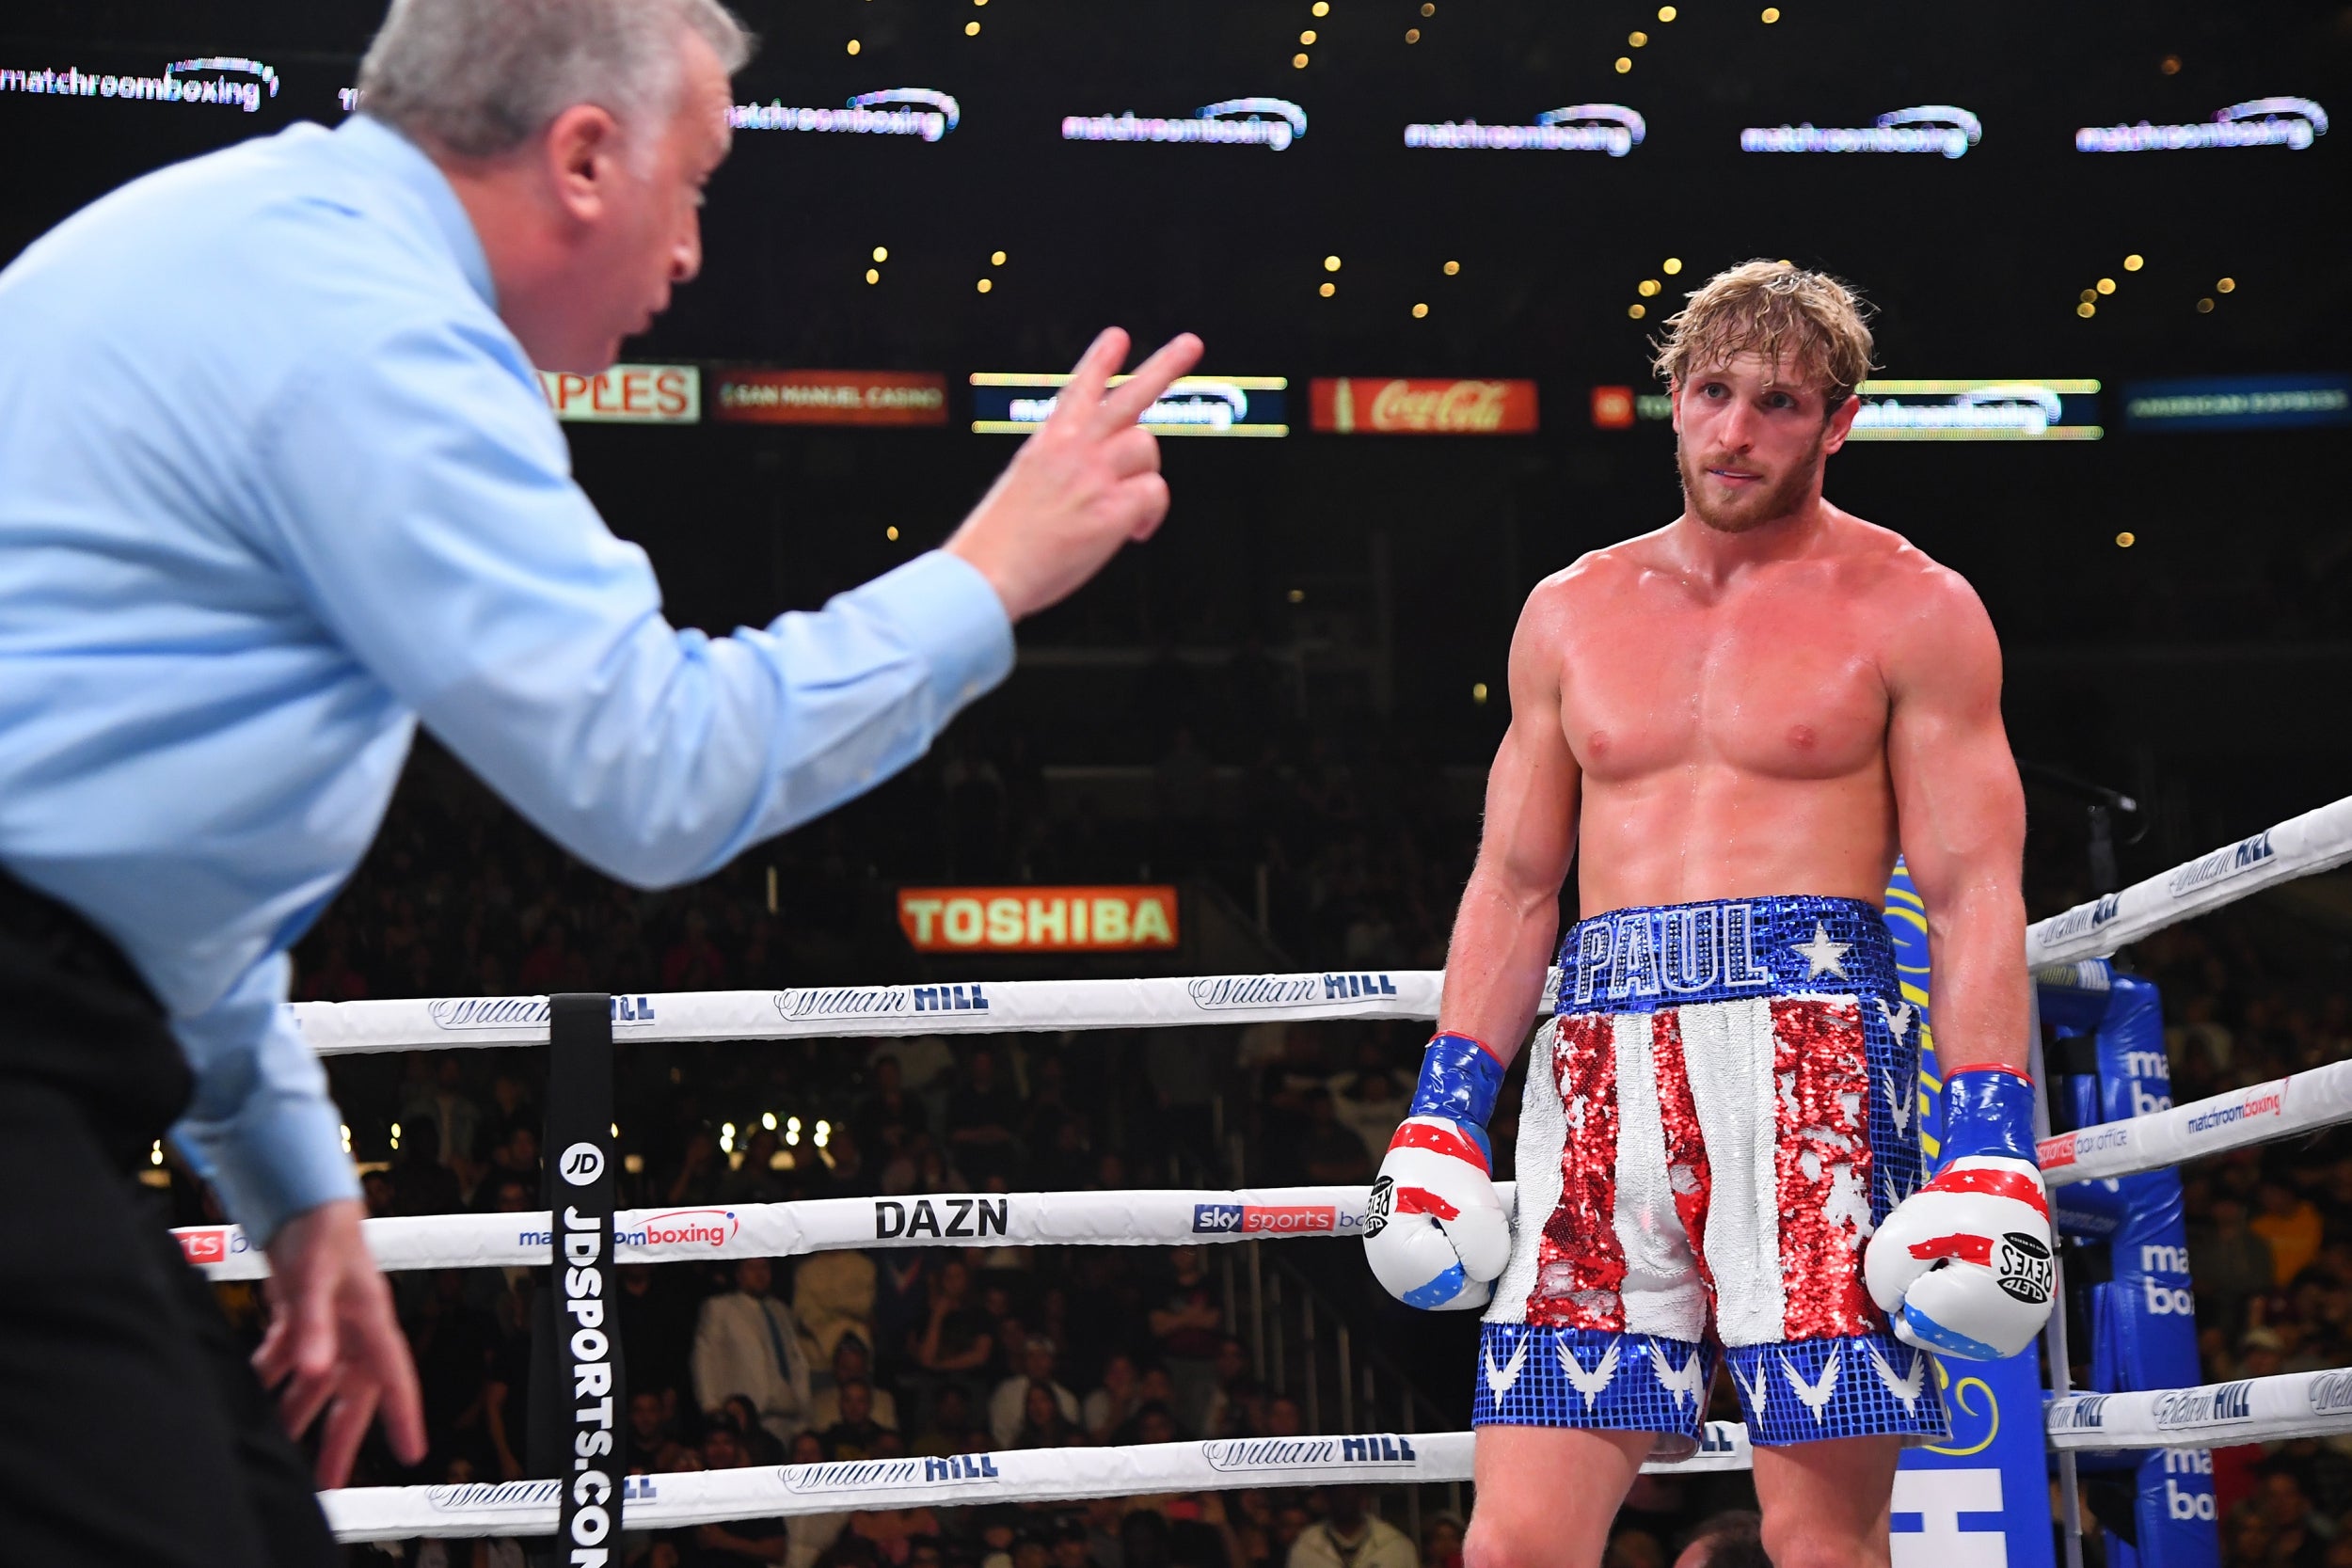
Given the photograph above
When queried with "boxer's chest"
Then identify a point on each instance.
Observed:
(1779, 683)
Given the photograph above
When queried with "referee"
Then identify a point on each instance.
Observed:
(277, 483)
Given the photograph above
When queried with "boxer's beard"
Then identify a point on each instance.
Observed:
(1753, 507)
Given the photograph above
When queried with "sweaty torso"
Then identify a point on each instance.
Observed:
(1732, 735)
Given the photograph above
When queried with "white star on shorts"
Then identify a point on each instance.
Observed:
(1826, 957)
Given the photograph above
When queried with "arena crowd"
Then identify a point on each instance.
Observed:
(936, 1351)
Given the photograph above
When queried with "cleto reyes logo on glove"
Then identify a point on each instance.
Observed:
(1387, 1199)
(2020, 1263)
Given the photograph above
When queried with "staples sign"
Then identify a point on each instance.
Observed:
(1370, 407)
(627, 394)
(1037, 919)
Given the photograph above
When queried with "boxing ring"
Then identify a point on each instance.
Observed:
(2245, 1411)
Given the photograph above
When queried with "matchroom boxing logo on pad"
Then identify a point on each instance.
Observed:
(1610, 127)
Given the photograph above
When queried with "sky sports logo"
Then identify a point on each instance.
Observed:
(1257, 1219)
(223, 80)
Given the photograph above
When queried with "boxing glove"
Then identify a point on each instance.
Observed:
(1963, 1266)
(1434, 1230)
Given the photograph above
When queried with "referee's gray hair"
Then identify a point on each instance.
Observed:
(481, 78)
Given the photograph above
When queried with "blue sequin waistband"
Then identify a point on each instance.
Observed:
(1635, 961)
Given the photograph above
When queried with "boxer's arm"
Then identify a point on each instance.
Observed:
(1962, 822)
(1510, 913)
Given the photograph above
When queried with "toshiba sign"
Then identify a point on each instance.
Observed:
(1366, 406)
(1037, 919)
(627, 394)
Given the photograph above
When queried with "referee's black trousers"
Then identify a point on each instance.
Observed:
(132, 1430)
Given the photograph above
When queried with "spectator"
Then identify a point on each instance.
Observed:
(737, 1540)
(1233, 1384)
(422, 1184)
(1441, 1544)
(1348, 1537)
(889, 1117)
(649, 1446)
(810, 1534)
(856, 1434)
(850, 1363)
(1044, 1423)
(1734, 1539)
(981, 1117)
(1008, 1404)
(1070, 1548)
(1370, 1104)
(760, 1446)
(698, 1173)
(954, 1341)
(2291, 1226)
(1335, 1156)
(745, 1342)
(1188, 1323)
(833, 1295)
(951, 1430)
(2229, 1260)
(1114, 1403)
(657, 1329)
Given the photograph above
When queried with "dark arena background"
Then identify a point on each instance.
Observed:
(1428, 254)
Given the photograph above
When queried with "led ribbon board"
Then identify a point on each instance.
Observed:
(1610, 127)
(626, 394)
(893, 112)
(2292, 122)
(750, 396)
(1977, 411)
(1007, 404)
(1929, 128)
(1269, 123)
(2238, 402)
(230, 80)
(1385, 405)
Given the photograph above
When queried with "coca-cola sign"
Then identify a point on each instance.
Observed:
(1370, 406)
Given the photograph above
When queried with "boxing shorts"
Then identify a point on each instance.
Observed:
(1727, 1110)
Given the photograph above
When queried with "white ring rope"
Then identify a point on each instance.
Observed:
(2300, 1103)
(2213, 1414)
(2250, 1410)
(1148, 1217)
(2316, 841)
(1028, 1475)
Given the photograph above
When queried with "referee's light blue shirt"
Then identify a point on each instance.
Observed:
(275, 483)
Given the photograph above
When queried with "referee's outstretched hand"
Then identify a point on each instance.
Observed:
(1085, 484)
(334, 1343)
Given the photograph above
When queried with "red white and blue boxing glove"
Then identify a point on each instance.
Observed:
(1436, 1233)
(1963, 1266)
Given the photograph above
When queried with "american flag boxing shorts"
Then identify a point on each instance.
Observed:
(1727, 1111)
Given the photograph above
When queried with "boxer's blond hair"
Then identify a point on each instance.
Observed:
(1772, 309)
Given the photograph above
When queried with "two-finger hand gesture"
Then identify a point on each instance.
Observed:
(1085, 484)
(333, 1343)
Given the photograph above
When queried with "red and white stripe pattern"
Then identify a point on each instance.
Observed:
(1709, 1156)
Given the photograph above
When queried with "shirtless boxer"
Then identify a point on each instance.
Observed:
(1739, 719)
